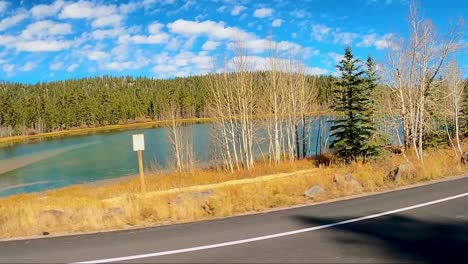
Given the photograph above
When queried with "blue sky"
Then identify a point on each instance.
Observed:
(54, 40)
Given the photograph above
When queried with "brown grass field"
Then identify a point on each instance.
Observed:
(203, 194)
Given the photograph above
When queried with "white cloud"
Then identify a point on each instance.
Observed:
(3, 6)
(125, 65)
(221, 9)
(100, 34)
(164, 68)
(345, 38)
(7, 40)
(81, 9)
(158, 38)
(367, 40)
(128, 7)
(258, 63)
(336, 57)
(385, 42)
(41, 11)
(277, 22)
(315, 71)
(96, 55)
(45, 28)
(14, 20)
(236, 10)
(8, 69)
(111, 20)
(58, 65)
(187, 5)
(103, 15)
(43, 45)
(373, 39)
(28, 66)
(319, 31)
(155, 28)
(189, 43)
(182, 64)
(173, 44)
(85, 9)
(263, 12)
(72, 67)
(148, 3)
(210, 45)
(214, 30)
(262, 45)
(297, 13)
(37, 37)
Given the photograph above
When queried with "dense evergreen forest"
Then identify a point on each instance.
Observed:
(91, 102)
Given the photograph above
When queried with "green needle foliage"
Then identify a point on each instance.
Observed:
(353, 129)
(93, 102)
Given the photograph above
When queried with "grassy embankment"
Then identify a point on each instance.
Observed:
(201, 194)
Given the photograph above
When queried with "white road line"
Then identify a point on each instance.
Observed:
(249, 240)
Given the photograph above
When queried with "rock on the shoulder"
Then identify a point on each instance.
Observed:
(314, 191)
(200, 197)
(348, 181)
(400, 171)
(464, 158)
(52, 213)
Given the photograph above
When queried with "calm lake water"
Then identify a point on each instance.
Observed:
(54, 163)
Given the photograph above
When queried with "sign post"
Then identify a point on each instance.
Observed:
(139, 147)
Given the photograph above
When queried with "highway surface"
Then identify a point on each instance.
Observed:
(423, 224)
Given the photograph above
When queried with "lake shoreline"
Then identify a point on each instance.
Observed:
(109, 128)
(89, 130)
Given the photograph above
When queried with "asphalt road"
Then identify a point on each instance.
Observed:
(423, 224)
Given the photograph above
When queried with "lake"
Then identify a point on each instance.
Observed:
(59, 162)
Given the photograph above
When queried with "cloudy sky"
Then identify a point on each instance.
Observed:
(55, 40)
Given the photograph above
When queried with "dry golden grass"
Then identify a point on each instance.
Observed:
(170, 198)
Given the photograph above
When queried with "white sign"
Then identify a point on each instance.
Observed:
(138, 142)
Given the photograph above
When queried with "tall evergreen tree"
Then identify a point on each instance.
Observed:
(352, 129)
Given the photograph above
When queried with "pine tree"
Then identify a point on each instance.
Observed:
(370, 83)
(353, 129)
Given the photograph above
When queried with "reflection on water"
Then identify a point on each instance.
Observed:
(65, 161)
(72, 160)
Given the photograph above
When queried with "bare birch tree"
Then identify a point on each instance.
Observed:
(180, 138)
(454, 98)
(234, 102)
(274, 103)
(413, 66)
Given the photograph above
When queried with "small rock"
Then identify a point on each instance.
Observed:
(348, 181)
(115, 211)
(200, 197)
(464, 158)
(176, 201)
(313, 191)
(203, 194)
(400, 171)
(53, 213)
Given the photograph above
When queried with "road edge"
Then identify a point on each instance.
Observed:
(270, 210)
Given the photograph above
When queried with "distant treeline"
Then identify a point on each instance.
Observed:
(92, 102)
